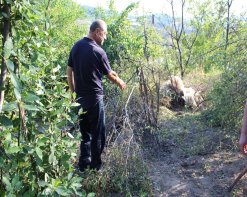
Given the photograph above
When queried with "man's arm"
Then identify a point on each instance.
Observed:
(243, 136)
(113, 76)
(70, 78)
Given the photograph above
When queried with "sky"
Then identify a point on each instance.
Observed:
(155, 6)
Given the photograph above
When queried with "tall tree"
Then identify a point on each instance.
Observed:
(183, 34)
(6, 41)
(229, 3)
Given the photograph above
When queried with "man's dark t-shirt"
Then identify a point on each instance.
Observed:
(89, 62)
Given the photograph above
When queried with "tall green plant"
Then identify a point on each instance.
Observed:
(37, 153)
(228, 97)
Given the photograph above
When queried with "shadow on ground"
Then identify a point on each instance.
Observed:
(186, 157)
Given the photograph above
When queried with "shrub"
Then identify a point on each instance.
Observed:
(227, 98)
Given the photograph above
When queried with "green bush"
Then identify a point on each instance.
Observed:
(227, 98)
(124, 173)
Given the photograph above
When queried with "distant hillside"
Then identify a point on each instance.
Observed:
(160, 21)
(88, 9)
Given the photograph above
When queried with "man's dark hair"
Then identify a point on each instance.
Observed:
(96, 24)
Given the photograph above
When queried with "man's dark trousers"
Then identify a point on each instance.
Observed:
(92, 128)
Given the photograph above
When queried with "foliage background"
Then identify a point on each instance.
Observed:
(38, 153)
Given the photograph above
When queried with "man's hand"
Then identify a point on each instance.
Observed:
(70, 78)
(113, 76)
(242, 142)
(122, 84)
(243, 136)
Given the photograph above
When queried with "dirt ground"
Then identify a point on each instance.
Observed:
(186, 157)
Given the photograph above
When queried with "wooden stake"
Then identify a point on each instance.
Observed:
(237, 179)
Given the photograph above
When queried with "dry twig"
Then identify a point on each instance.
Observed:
(237, 179)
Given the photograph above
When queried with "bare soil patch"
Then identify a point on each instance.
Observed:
(186, 157)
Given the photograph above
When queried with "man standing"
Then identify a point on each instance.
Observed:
(87, 64)
(243, 136)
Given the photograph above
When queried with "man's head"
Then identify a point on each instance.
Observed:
(98, 31)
